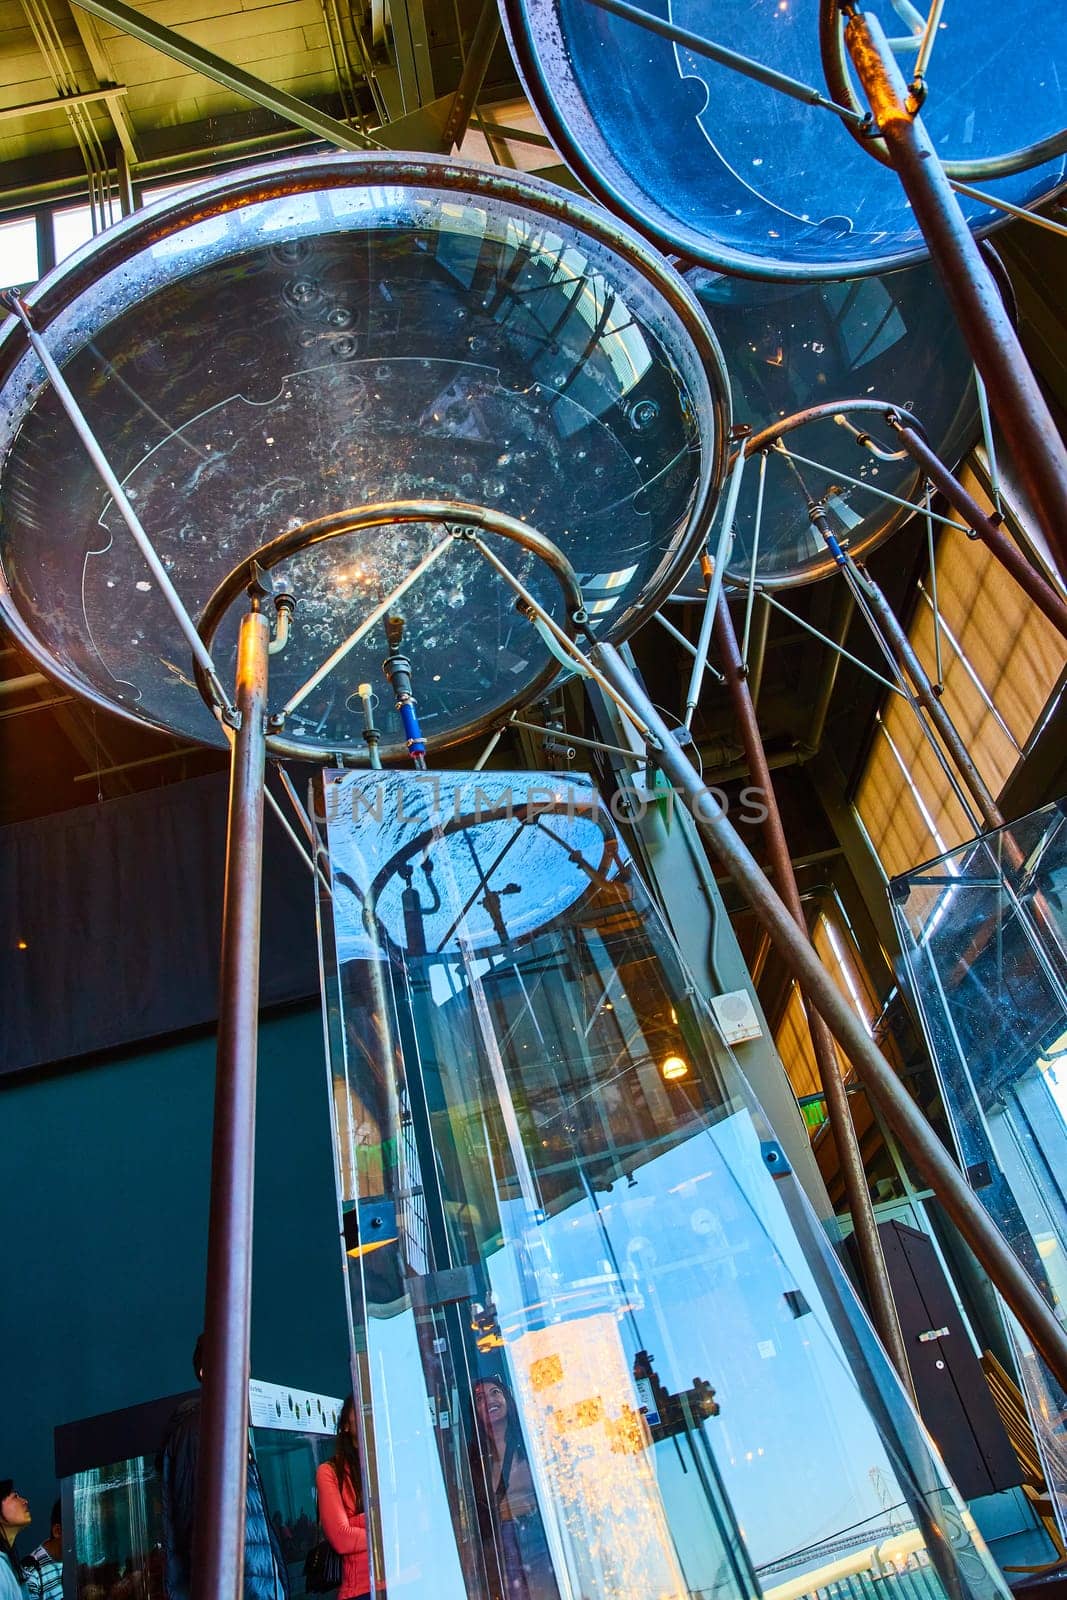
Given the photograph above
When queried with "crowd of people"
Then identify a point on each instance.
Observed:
(512, 1532)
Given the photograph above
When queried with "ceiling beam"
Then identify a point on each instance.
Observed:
(100, 62)
(231, 76)
(60, 102)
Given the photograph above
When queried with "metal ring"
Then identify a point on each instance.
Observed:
(382, 514)
(767, 437)
(839, 83)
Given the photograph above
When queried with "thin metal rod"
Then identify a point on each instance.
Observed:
(722, 555)
(758, 659)
(872, 488)
(994, 538)
(926, 43)
(494, 740)
(964, 661)
(675, 633)
(219, 1537)
(805, 92)
(299, 810)
(757, 528)
(1012, 211)
(988, 441)
(832, 644)
(80, 424)
(931, 558)
(904, 653)
(1015, 396)
(573, 738)
(845, 610)
(365, 626)
(875, 1274)
(581, 661)
(861, 588)
(185, 752)
(298, 844)
(932, 1161)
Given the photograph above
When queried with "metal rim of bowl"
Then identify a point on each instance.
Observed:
(61, 288)
(671, 235)
(383, 514)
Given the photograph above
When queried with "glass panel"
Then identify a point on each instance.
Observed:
(116, 1509)
(734, 174)
(260, 365)
(18, 253)
(790, 347)
(984, 932)
(597, 1329)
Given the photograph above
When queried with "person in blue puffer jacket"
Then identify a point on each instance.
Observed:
(266, 1575)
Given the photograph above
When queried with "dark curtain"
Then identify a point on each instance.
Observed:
(111, 917)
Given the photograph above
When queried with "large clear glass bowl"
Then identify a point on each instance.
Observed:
(308, 337)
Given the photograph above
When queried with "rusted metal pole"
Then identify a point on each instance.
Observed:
(932, 1161)
(1007, 552)
(222, 1461)
(1014, 394)
(872, 1261)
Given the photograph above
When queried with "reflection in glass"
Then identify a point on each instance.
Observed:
(541, 1211)
(984, 933)
(733, 174)
(787, 347)
(113, 1515)
(249, 367)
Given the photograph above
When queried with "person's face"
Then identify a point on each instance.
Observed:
(15, 1510)
(492, 1403)
(348, 1422)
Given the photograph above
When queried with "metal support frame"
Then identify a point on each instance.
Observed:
(872, 1261)
(895, 646)
(219, 1537)
(1015, 396)
(993, 537)
(192, 55)
(831, 644)
(475, 67)
(904, 653)
(871, 488)
(931, 1159)
(36, 108)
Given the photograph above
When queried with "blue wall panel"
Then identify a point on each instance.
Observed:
(105, 1185)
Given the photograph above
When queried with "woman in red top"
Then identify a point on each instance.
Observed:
(340, 1486)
